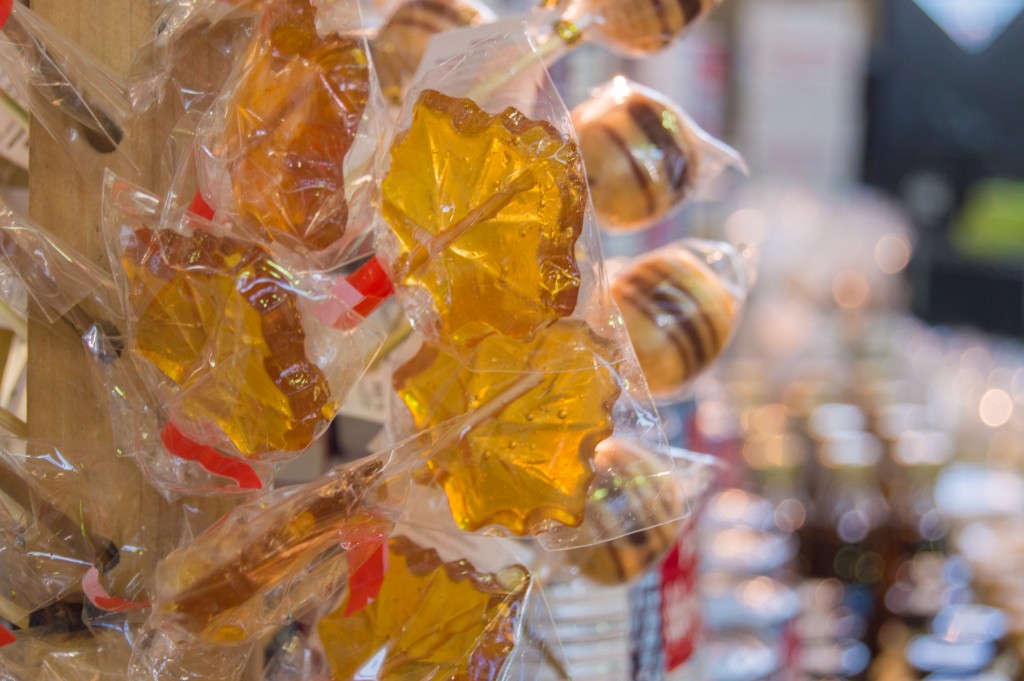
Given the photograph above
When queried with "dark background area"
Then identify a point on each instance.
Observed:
(941, 119)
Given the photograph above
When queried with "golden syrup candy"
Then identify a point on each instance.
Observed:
(215, 587)
(534, 412)
(486, 210)
(292, 117)
(637, 28)
(220, 319)
(678, 313)
(431, 621)
(641, 158)
(634, 491)
(402, 41)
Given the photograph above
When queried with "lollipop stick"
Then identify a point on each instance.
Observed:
(372, 276)
(429, 249)
(55, 86)
(13, 424)
(550, 49)
(46, 273)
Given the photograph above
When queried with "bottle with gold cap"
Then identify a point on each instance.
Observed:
(632, 28)
(916, 459)
(848, 531)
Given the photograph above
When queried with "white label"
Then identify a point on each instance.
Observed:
(13, 132)
(13, 140)
(370, 400)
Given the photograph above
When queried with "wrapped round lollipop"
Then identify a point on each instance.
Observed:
(641, 509)
(644, 155)
(681, 304)
(400, 43)
(631, 28)
(646, 512)
(248, 360)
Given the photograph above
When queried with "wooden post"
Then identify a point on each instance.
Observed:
(66, 407)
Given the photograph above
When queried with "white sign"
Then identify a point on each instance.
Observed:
(13, 131)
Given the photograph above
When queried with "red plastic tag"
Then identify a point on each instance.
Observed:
(199, 206)
(680, 600)
(374, 283)
(6, 7)
(365, 583)
(6, 637)
(209, 458)
(361, 292)
(99, 597)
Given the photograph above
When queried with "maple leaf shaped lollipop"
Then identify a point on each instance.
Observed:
(235, 580)
(486, 210)
(431, 621)
(534, 413)
(221, 319)
(296, 103)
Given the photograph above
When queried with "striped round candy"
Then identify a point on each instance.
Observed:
(401, 42)
(641, 156)
(640, 505)
(679, 315)
(636, 28)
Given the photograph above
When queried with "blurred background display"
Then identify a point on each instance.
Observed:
(866, 518)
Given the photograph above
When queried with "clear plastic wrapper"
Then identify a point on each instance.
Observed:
(402, 41)
(53, 656)
(681, 304)
(645, 156)
(631, 28)
(190, 53)
(448, 607)
(64, 285)
(173, 463)
(72, 95)
(45, 548)
(496, 261)
(59, 549)
(286, 152)
(249, 359)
